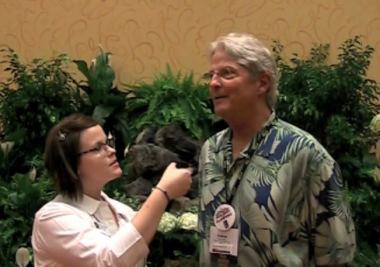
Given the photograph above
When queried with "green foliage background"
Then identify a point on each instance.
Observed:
(333, 101)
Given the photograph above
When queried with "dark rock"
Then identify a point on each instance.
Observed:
(139, 187)
(149, 160)
(154, 151)
(174, 139)
(180, 205)
(194, 189)
(146, 136)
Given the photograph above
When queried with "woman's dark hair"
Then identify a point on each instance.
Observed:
(61, 153)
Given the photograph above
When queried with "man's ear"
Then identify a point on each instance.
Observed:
(264, 83)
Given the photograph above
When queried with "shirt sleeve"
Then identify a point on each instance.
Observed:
(68, 239)
(332, 222)
(201, 213)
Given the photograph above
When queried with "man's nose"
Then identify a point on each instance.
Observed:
(215, 81)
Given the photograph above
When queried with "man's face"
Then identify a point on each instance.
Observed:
(232, 87)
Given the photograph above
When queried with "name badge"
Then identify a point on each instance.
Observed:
(224, 240)
(224, 217)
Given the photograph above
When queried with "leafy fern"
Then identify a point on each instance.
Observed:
(171, 98)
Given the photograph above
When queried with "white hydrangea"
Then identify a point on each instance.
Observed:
(169, 222)
(188, 221)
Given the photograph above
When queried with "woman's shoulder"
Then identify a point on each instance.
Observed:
(56, 208)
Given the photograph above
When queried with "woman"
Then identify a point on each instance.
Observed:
(82, 226)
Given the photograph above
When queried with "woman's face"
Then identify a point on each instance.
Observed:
(232, 88)
(97, 162)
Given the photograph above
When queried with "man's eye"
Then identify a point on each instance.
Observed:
(209, 75)
(227, 73)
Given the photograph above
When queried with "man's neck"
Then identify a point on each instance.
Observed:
(244, 129)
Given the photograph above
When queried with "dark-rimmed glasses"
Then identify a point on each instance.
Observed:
(100, 148)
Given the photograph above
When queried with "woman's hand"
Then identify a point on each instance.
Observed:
(176, 182)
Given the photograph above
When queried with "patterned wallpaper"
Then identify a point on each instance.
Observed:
(145, 35)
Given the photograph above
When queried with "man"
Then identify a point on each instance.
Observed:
(271, 195)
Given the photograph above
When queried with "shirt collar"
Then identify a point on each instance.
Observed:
(225, 143)
(86, 204)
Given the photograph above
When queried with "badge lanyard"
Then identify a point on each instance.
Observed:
(240, 176)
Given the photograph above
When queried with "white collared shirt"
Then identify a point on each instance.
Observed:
(85, 233)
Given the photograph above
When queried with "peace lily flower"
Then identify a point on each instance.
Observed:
(22, 257)
(109, 58)
(32, 174)
(93, 63)
(376, 175)
(6, 147)
(375, 124)
(126, 150)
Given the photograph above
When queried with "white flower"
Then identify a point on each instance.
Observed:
(6, 147)
(188, 221)
(168, 223)
(32, 174)
(376, 175)
(109, 60)
(22, 257)
(126, 150)
(375, 124)
(93, 63)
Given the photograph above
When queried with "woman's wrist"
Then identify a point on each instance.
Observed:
(162, 191)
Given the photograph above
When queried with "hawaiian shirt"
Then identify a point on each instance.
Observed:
(290, 205)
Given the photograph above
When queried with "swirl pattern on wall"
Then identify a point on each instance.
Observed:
(145, 35)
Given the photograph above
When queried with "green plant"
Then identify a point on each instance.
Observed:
(336, 103)
(176, 239)
(33, 99)
(8, 157)
(104, 101)
(19, 201)
(171, 98)
(333, 102)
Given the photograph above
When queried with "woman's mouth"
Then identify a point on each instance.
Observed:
(114, 164)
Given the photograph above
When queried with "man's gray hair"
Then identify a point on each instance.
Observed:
(252, 54)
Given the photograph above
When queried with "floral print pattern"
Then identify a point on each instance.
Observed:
(290, 205)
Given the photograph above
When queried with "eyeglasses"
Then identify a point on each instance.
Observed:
(103, 149)
(225, 73)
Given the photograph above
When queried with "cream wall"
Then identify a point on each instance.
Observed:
(144, 35)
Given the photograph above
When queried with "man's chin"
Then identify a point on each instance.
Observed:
(221, 110)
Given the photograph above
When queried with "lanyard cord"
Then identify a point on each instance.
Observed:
(238, 180)
(251, 153)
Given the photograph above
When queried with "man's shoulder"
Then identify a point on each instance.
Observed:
(298, 139)
(217, 139)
